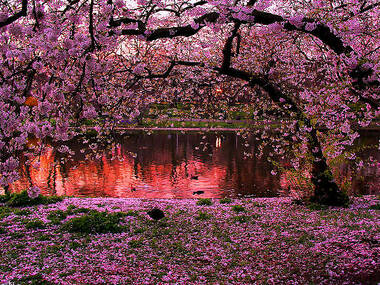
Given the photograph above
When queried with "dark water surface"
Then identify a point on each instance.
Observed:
(175, 164)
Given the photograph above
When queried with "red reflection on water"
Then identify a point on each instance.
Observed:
(173, 166)
(120, 178)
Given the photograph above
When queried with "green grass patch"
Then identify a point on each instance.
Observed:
(35, 224)
(139, 230)
(204, 202)
(135, 243)
(238, 208)
(5, 212)
(57, 216)
(131, 213)
(258, 205)
(316, 207)
(81, 210)
(95, 222)
(203, 216)
(43, 237)
(22, 212)
(375, 207)
(225, 201)
(22, 199)
(240, 219)
(31, 279)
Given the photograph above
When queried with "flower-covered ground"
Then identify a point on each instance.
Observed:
(263, 241)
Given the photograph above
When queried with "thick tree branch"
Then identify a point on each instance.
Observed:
(16, 16)
(172, 65)
(91, 27)
(172, 32)
(318, 30)
(227, 50)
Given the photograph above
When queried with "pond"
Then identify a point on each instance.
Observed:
(177, 164)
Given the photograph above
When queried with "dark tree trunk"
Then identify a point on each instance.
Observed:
(326, 190)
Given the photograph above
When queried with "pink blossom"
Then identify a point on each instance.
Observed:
(34, 192)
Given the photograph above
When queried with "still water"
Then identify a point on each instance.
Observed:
(175, 165)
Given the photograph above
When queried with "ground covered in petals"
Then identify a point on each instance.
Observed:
(243, 241)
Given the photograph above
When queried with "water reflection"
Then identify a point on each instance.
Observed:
(170, 165)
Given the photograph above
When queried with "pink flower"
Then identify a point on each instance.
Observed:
(296, 21)
(139, 69)
(119, 3)
(310, 26)
(34, 192)
(16, 30)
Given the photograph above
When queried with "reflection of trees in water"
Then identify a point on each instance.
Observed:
(168, 162)
(176, 150)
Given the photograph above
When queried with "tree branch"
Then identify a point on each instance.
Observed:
(16, 16)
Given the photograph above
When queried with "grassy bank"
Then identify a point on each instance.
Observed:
(245, 241)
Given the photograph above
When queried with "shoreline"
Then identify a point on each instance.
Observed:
(195, 129)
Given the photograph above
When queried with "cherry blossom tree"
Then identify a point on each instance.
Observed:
(63, 62)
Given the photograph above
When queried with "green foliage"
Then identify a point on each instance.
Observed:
(204, 202)
(91, 133)
(139, 230)
(35, 224)
(240, 219)
(81, 210)
(203, 216)
(179, 212)
(44, 237)
(95, 222)
(305, 238)
(22, 212)
(135, 243)
(74, 245)
(22, 199)
(70, 208)
(4, 212)
(55, 248)
(4, 198)
(87, 122)
(53, 122)
(57, 216)
(131, 213)
(19, 246)
(375, 207)
(316, 207)
(225, 201)
(258, 205)
(36, 279)
(238, 208)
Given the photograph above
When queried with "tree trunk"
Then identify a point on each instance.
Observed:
(326, 190)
